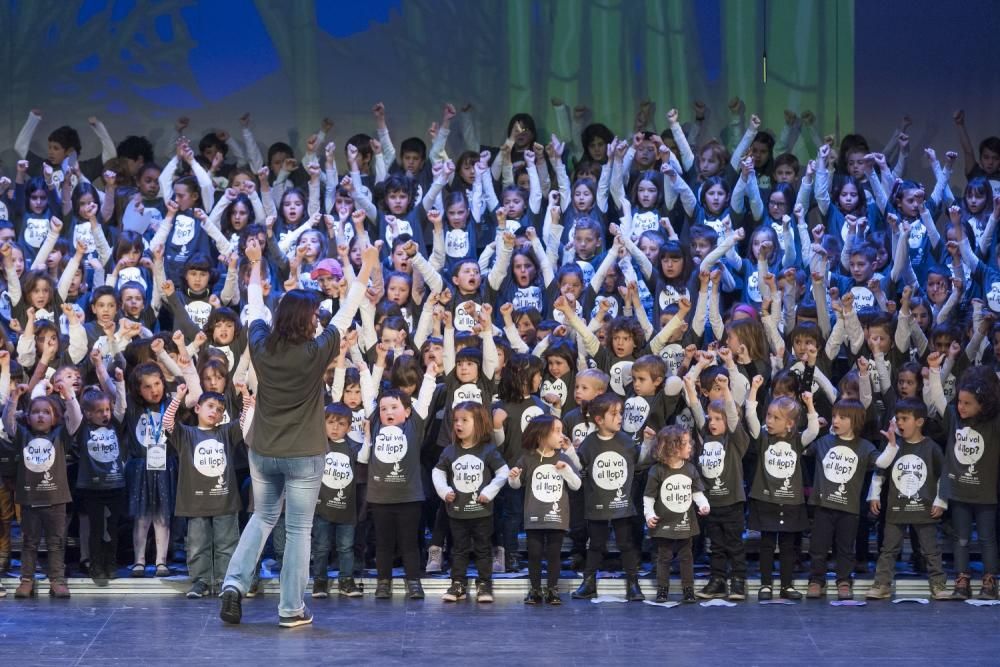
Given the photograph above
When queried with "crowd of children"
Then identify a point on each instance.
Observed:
(666, 336)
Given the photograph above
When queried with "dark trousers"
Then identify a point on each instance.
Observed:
(442, 523)
(892, 543)
(396, 526)
(837, 529)
(475, 535)
(363, 528)
(547, 544)
(508, 516)
(985, 516)
(666, 549)
(210, 543)
(51, 522)
(6, 514)
(786, 541)
(598, 532)
(104, 509)
(577, 523)
(724, 527)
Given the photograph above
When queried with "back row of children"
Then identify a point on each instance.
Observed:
(644, 306)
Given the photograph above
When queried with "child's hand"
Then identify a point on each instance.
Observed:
(935, 359)
(168, 286)
(652, 521)
(156, 345)
(954, 349)
(863, 366)
(449, 497)
(253, 252)
(514, 473)
(560, 465)
(703, 511)
(755, 383)
(182, 390)
(875, 506)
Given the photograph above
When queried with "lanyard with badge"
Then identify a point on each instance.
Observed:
(156, 448)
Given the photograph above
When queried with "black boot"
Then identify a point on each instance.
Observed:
(414, 590)
(383, 589)
(689, 595)
(737, 589)
(632, 591)
(663, 593)
(716, 588)
(588, 589)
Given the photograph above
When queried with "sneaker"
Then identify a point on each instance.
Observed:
(534, 596)
(662, 593)
(414, 591)
(737, 590)
(254, 585)
(963, 587)
(845, 590)
(499, 560)
(455, 592)
(305, 618)
(58, 589)
(552, 596)
(816, 590)
(198, 590)
(321, 588)
(231, 611)
(688, 596)
(715, 588)
(383, 589)
(940, 592)
(878, 592)
(790, 593)
(435, 555)
(484, 591)
(349, 588)
(988, 590)
(764, 593)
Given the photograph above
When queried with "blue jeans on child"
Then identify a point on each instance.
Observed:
(297, 480)
(322, 531)
(209, 545)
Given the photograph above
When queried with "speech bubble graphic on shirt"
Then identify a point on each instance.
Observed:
(146, 427)
(199, 312)
(621, 376)
(780, 459)
(463, 320)
(390, 445)
(183, 232)
(337, 472)
(610, 470)
(35, 231)
(529, 414)
(669, 296)
(753, 287)
(840, 464)
(210, 458)
(468, 392)
(557, 387)
(909, 473)
(527, 297)
(456, 243)
(969, 446)
(102, 446)
(467, 473)
(675, 493)
(635, 414)
(546, 484)
(39, 455)
(582, 430)
(712, 460)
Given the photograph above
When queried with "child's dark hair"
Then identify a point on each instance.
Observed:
(338, 411)
(133, 148)
(787, 159)
(516, 377)
(652, 364)
(406, 371)
(398, 395)
(128, 241)
(537, 428)
(841, 180)
(481, 422)
(854, 412)
(631, 326)
(711, 182)
(653, 177)
(211, 396)
(223, 314)
(913, 407)
(66, 137)
(669, 442)
(142, 370)
(92, 397)
(600, 406)
(701, 232)
(413, 145)
(399, 183)
(201, 262)
(982, 383)
(212, 140)
(191, 183)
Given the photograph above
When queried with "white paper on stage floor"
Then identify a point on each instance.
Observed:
(718, 603)
(607, 598)
(917, 600)
(982, 603)
(848, 603)
(668, 605)
(777, 602)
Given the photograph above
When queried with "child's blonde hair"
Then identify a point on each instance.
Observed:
(787, 407)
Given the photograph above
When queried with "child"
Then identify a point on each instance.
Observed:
(842, 459)
(608, 460)
(207, 491)
(546, 504)
(673, 490)
(777, 504)
(336, 510)
(42, 484)
(972, 459)
(914, 499)
(468, 477)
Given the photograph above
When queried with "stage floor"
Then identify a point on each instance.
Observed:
(91, 630)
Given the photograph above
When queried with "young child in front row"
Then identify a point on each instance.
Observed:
(842, 460)
(42, 491)
(674, 493)
(336, 509)
(914, 475)
(547, 466)
(777, 503)
(207, 490)
(467, 477)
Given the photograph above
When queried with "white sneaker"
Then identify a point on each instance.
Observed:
(499, 560)
(434, 557)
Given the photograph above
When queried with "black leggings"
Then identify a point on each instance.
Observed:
(598, 532)
(548, 543)
(985, 516)
(787, 557)
(396, 525)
